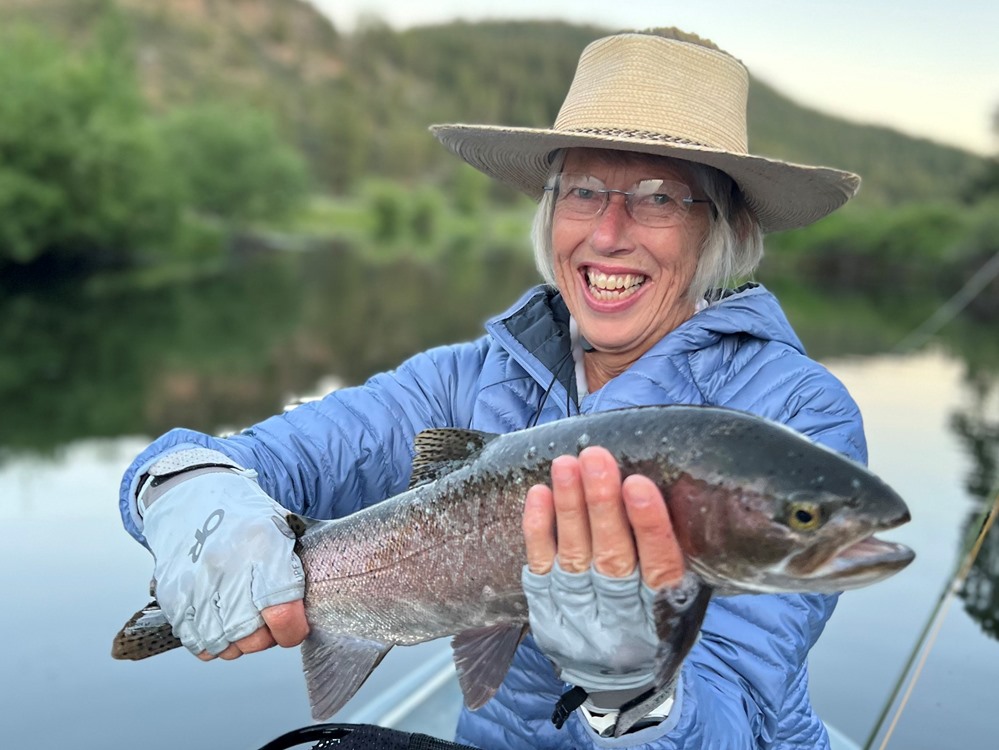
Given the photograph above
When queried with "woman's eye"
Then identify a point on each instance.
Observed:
(584, 193)
(660, 199)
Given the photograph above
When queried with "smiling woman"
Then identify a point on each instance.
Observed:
(650, 202)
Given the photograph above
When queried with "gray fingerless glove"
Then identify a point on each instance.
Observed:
(223, 553)
(598, 630)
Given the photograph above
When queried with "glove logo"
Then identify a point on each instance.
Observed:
(202, 534)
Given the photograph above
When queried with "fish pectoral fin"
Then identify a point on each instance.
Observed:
(335, 667)
(678, 612)
(482, 657)
(441, 450)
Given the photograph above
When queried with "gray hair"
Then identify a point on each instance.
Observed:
(732, 247)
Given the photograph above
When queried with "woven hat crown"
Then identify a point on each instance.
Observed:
(653, 88)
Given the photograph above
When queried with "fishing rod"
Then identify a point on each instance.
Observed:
(927, 639)
(916, 338)
(951, 308)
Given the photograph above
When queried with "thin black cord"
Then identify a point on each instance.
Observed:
(558, 368)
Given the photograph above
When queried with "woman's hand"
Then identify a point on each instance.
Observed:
(590, 517)
(284, 625)
(227, 577)
(597, 550)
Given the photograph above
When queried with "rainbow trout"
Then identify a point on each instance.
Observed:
(756, 507)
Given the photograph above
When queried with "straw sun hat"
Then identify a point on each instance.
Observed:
(649, 94)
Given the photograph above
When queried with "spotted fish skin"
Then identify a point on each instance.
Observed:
(756, 508)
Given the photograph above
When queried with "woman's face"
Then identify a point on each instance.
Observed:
(625, 283)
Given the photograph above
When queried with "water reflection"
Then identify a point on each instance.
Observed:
(977, 426)
(230, 348)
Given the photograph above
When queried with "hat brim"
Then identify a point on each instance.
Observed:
(783, 195)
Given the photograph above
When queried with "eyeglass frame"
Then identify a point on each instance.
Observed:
(554, 186)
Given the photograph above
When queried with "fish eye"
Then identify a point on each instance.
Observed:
(804, 515)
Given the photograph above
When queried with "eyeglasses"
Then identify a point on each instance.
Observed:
(652, 203)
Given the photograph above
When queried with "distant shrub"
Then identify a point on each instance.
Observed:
(387, 202)
(233, 165)
(82, 175)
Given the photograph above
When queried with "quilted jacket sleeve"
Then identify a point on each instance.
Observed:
(331, 457)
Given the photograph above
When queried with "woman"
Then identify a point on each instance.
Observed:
(649, 203)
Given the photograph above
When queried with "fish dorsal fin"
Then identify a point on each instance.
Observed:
(335, 667)
(441, 450)
(482, 657)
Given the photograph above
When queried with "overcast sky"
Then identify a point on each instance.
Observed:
(926, 67)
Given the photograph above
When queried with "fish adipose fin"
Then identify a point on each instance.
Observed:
(335, 667)
(441, 450)
(482, 657)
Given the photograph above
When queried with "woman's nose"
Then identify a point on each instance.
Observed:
(611, 224)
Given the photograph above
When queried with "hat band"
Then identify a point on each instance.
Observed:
(638, 135)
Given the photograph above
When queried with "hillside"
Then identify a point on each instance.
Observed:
(360, 104)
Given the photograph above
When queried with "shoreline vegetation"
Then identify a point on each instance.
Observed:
(148, 142)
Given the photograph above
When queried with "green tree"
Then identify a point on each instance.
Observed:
(985, 182)
(82, 174)
(233, 164)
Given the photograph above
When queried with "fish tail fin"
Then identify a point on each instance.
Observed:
(146, 634)
(335, 667)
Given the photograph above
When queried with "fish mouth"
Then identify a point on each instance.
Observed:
(857, 560)
(867, 560)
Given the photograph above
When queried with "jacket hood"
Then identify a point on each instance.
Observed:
(749, 310)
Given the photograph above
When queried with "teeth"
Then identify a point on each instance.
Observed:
(613, 286)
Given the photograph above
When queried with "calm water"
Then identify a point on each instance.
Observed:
(86, 380)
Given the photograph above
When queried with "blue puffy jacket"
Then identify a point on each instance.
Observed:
(744, 684)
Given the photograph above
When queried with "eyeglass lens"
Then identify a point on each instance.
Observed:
(653, 202)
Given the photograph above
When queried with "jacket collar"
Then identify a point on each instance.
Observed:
(535, 331)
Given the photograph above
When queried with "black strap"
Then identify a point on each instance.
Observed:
(568, 703)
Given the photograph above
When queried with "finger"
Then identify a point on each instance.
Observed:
(208, 623)
(187, 632)
(232, 651)
(287, 622)
(539, 529)
(613, 548)
(572, 523)
(257, 641)
(659, 554)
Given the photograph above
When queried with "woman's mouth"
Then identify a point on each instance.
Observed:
(613, 286)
